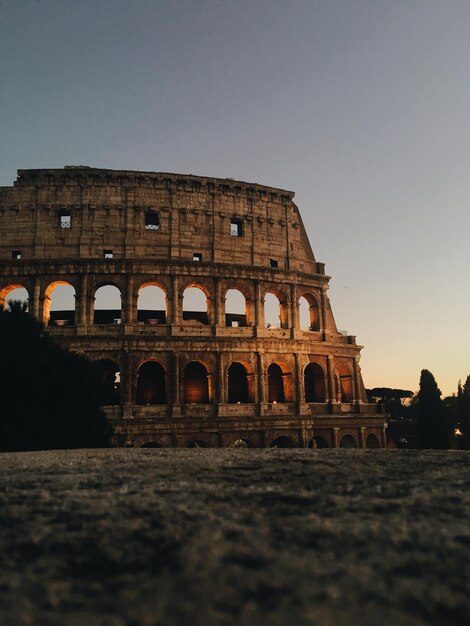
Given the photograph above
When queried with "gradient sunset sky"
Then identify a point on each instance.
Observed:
(362, 107)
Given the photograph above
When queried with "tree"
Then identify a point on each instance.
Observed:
(50, 396)
(464, 412)
(431, 422)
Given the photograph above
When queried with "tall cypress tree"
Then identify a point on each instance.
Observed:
(432, 428)
(464, 410)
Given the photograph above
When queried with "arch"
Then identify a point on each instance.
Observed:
(152, 304)
(12, 293)
(151, 383)
(108, 305)
(309, 312)
(237, 383)
(372, 442)
(275, 309)
(195, 304)
(110, 381)
(344, 384)
(242, 443)
(280, 384)
(198, 443)
(318, 442)
(347, 441)
(59, 304)
(314, 383)
(196, 384)
(235, 308)
(282, 442)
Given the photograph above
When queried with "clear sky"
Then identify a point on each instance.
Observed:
(362, 107)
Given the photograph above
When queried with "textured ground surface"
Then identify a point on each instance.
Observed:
(223, 537)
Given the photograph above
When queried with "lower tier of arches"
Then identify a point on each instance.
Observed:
(368, 432)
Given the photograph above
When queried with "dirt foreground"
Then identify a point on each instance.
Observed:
(225, 537)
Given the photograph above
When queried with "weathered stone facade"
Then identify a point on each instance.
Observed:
(174, 376)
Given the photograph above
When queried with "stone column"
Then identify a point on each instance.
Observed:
(218, 309)
(331, 379)
(324, 300)
(221, 387)
(175, 385)
(357, 377)
(295, 309)
(362, 439)
(127, 386)
(130, 304)
(261, 385)
(175, 301)
(258, 311)
(335, 437)
(82, 303)
(36, 303)
(298, 385)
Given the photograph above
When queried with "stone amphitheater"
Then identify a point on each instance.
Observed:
(200, 301)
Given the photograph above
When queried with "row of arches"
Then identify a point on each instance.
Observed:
(346, 441)
(60, 303)
(152, 385)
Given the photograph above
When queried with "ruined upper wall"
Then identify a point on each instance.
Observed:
(153, 216)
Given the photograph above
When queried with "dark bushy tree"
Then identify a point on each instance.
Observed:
(464, 412)
(49, 395)
(430, 412)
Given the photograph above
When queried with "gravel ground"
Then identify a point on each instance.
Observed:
(224, 537)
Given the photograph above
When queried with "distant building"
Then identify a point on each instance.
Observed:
(210, 366)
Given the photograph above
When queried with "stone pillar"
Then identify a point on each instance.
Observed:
(294, 308)
(127, 386)
(218, 309)
(298, 385)
(221, 397)
(175, 301)
(82, 317)
(175, 385)
(357, 378)
(331, 389)
(36, 303)
(261, 385)
(362, 438)
(324, 300)
(130, 304)
(258, 308)
(335, 437)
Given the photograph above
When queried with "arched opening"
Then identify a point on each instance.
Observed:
(198, 443)
(107, 308)
(279, 383)
(14, 293)
(241, 444)
(318, 442)
(151, 384)
(235, 308)
(344, 384)
(59, 304)
(110, 381)
(151, 444)
(347, 441)
(272, 311)
(195, 305)
(151, 305)
(237, 384)
(282, 442)
(372, 442)
(196, 384)
(309, 312)
(314, 383)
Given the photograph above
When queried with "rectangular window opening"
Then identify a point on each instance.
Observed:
(16, 254)
(152, 221)
(236, 227)
(65, 219)
(273, 263)
(197, 256)
(108, 254)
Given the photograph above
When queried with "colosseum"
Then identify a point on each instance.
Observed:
(199, 300)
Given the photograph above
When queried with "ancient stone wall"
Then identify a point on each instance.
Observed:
(175, 375)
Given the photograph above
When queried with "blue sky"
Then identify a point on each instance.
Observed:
(359, 106)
